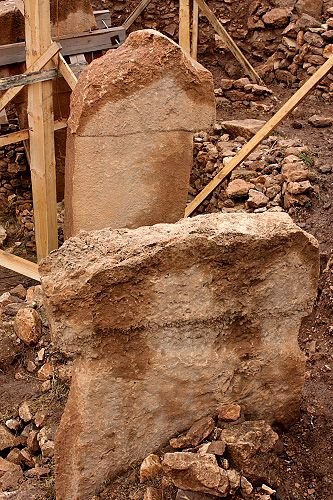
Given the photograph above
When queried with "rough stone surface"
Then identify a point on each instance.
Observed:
(7, 440)
(133, 115)
(166, 323)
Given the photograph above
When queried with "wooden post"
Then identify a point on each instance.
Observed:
(184, 25)
(195, 30)
(264, 132)
(40, 117)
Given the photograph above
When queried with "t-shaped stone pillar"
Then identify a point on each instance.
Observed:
(129, 150)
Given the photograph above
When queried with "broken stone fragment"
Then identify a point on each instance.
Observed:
(190, 471)
(245, 487)
(277, 18)
(7, 440)
(134, 138)
(200, 430)
(140, 312)
(45, 372)
(28, 326)
(299, 187)
(153, 494)
(24, 412)
(229, 412)
(150, 468)
(217, 448)
(192, 495)
(256, 199)
(250, 446)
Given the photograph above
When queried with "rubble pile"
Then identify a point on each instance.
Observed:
(241, 89)
(306, 44)
(223, 456)
(278, 176)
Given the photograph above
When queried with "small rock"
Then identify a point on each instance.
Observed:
(217, 448)
(13, 424)
(238, 188)
(10, 480)
(45, 372)
(24, 412)
(192, 495)
(35, 295)
(7, 440)
(298, 187)
(200, 430)
(14, 456)
(267, 489)
(40, 418)
(150, 468)
(31, 367)
(229, 412)
(19, 291)
(38, 472)
(46, 386)
(26, 458)
(6, 466)
(325, 169)
(32, 441)
(245, 128)
(246, 487)
(28, 326)
(256, 199)
(277, 18)
(319, 121)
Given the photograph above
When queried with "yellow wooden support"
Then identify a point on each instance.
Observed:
(184, 25)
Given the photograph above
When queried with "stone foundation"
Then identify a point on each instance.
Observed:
(167, 322)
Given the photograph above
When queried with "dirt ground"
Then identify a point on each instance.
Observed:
(306, 463)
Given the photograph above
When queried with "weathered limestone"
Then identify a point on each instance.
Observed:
(169, 322)
(129, 145)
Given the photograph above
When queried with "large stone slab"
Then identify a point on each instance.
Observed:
(133, 114)
(167, 322)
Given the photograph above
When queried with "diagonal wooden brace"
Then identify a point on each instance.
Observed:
(53, 49)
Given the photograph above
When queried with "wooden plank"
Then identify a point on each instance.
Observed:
(65, 70)
(195, 30)
(264, 132)
(136, 13)
(71, 44)
(102, 18)
(41, 125)
(28, 78)
(23, 135)
(37, 65)
(19, 265)
(184, 25)
(230, 44)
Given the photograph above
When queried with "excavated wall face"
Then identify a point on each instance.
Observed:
(130, 138)
(167, 322)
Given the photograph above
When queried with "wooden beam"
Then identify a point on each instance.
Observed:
(41, 125)
(184, 25)
(28, 78)
(23, 135)
(195, 30)
(230, 44)
(264, 132)
(135, 14)
(19, 265)
(65, 70)
(80, 43)
(37, 65)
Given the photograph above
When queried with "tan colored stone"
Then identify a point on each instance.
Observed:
(25, 412)
(200, 430)
(229, 412)
(7, 440)
(152, 494)
(277, 18)
(133, 115)
(310, 7)
(238, 188)
(164, 313)
(245, 128)
(150, 468)
(45, 372)
(28, 326)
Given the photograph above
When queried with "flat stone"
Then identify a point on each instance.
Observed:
(166, 310)
(245, 128)
(256, 199)
(150, 468)
(200, 430)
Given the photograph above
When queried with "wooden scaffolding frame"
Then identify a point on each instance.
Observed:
(44, 63)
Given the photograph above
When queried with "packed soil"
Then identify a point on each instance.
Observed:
(306, 462)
